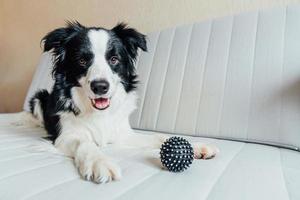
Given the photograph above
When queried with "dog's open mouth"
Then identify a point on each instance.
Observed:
(100, 103)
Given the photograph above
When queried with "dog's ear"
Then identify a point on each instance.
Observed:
(56, 40)
(131, 38)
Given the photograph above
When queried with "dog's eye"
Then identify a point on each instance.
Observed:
(82, 62)
(114, 60)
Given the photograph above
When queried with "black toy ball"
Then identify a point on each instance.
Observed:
(176, 154)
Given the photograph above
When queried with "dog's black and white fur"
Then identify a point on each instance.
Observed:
(93, 96)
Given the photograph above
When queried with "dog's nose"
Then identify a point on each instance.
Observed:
(100, 87)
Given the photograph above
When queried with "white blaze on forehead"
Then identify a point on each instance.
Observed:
(99, 40)
(99, 68)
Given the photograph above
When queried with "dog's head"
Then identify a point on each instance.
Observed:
(96, 59)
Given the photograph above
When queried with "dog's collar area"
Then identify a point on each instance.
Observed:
(100, 103)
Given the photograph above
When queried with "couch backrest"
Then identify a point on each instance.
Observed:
(236, 77)
(42, 78)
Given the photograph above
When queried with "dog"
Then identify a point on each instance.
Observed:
(93, 95)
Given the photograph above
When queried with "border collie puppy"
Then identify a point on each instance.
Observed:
(93, 96)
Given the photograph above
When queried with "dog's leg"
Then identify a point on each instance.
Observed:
(201, 150)
(34, 118)
(37, 105)
(26, 119)
(92, 164)
(204, 151)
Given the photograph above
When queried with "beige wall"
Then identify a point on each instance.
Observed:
(24, 22)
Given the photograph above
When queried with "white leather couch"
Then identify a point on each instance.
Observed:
(233, 82)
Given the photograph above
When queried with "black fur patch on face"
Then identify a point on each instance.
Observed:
(69, 45)
(124, 43)
(73, 55)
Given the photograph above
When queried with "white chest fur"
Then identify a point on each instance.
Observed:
(101, 127)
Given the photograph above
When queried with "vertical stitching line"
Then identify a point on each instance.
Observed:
(226, 78)
(202, 78)
(165, 76)
(282, 71)
(147, 81)
(182, 78)
(252, 75)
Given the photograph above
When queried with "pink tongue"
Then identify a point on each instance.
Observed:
(102, 103)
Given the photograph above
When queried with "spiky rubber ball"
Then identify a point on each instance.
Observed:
(176, 154)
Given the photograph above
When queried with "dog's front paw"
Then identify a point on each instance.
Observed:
(205, 151)
(98, 170)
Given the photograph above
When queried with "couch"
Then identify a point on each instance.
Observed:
(233, 82)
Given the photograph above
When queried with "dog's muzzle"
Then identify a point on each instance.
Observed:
(100, 87)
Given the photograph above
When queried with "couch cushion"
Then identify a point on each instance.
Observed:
(236, 77)
(240, 171)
